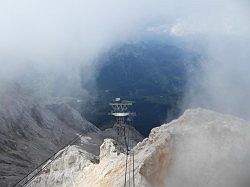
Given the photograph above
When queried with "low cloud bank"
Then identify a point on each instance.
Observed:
(47, 43)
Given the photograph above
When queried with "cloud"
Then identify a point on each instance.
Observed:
(220, 33)
(45, 44)
(50, 41)
(57, 39)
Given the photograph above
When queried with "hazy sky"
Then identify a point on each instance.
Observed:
(50, 32)
(44, 43)
(57, 37)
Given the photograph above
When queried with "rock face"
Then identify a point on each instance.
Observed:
(71, 117)
(131, 132)
(29, 133)
(209, 150)
(202, 148)
(64, 170)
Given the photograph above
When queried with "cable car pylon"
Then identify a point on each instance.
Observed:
(120, 110)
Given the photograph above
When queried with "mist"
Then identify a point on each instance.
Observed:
(209, 150)
(220, 33)
(46, 44)
(51, 47)
(223, 82)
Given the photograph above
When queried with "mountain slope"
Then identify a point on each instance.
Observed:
(201, 148)
(29, 133)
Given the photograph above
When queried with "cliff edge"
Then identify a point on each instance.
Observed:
(201, 148)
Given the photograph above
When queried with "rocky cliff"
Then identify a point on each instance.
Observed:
(201, 148)
(31, 133)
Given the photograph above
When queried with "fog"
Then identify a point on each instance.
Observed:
(224, 79)
(209, 150)
(223, 82)
(47, 45)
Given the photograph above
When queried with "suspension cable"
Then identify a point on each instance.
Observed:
(126, 170)
(130, 161)
(126, 167)
(129, 142)
(133, 169)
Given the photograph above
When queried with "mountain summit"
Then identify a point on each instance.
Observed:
(201, 148)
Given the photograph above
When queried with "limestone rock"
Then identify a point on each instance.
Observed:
(110, 148)
(30, 133)
(65, 170)
(202, 148)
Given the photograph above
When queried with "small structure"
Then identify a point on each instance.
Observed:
(121, 112)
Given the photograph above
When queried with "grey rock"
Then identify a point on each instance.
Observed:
(30, 134)
(201, 148)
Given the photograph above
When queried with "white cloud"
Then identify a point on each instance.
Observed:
(57, 37)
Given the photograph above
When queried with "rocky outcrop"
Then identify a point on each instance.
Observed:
(71, 117)
(131, 132)
(30, 134)
(201, 148)
(151, 159)
(66, 169)
(209, 150)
